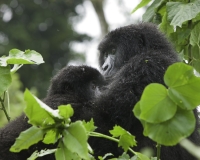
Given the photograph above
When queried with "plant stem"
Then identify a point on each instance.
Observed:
(3, 107)
(96, 134)
(158, 151)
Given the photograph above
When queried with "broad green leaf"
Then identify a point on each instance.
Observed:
(127, 140)
(141, 4)
(137, 112)
(89, 126)
(66, 111)
(51, 136)
(5, 79)
(63, 153)
(75, 139)
(19, 57)
(117, 131)
(141, 156)
(155, 104)
(184, 86)
(195, 35)
(39, 114)
(179, 12)
(151, 10)
(169, 133)
(27, 138)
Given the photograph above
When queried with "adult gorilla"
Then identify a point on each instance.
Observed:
(132, 57)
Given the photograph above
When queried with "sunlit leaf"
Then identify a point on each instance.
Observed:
(141, 156)
(66, 111)
(5, 79)
(141, 4)
(39, 114)
(51, 136)
(75, 139)
(27, 138)
(89, 126)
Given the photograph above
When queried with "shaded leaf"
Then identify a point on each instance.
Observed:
(179, 12)
(195, 35)
(155, 104)
(184, 86)
(169, 133)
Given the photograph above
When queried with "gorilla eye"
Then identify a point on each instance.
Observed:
(93, 86)
(113, 51)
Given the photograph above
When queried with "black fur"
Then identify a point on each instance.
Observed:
(72, 85)
(142, 55)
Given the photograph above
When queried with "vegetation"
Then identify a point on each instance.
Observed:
(180, 20)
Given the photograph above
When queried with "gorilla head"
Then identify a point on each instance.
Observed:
(80, 81)
(121, 44)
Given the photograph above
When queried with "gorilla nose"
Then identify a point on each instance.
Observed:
(104, 67)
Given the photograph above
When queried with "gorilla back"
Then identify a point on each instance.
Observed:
(132, 57)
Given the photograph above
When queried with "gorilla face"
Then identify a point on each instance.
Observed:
(121, 44)
(83, 81)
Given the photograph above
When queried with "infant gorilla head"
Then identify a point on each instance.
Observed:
(74, 84)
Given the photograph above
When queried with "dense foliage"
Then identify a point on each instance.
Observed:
(180, 20)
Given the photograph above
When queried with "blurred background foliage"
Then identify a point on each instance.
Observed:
(45, 26)
(49, 27)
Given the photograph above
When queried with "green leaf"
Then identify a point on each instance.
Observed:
(141, 4)
(89, 126)
(51, 136)
(195, 36)
(5, 79)
(127, 140)
(75, 139)
(117, 131)
(39, 114)
(184, 86)
(42, 153)
(169, 133)
(141, 156)
(64, 153)
(27, 138)
(155, 104)
(196, 58)
(179, 12)
(66, 111)
(19, 57)
(151, 10)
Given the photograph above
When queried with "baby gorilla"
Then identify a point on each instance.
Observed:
(75, 85)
